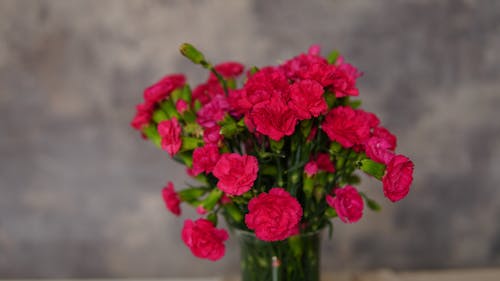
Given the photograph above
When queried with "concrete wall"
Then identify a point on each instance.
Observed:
(80, 191)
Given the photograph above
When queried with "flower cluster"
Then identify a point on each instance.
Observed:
(276, 149)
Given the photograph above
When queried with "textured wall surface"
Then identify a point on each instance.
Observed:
(80, 191)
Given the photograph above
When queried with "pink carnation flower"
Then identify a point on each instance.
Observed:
(228, 70)
(274, 119)
(306, 66)
(324, 163)
(212, 135)
(347, 203)
(207, 91)
(378, 149)
(343, 79)
(162, 89)
(171, 199)
(236, 173)
(204, 240)
(383, 133)
(143, 116)
(306, 99)
(213, 111)
(347, 126)
(274, 216)
(200, 210)
(181, 106)
(170, 132)
(205, 158)
(268, 83)
(311, 168)
(398, 178)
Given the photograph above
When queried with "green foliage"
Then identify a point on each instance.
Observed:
(333, 56)
(372, 168)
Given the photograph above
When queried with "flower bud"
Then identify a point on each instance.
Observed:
(190, 52)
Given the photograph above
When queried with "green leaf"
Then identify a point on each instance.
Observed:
(372, 168)
(330, 99)
(276, 146)
(185, 157)
(175, 95)
(189, 116)
(192, 194)
(233, 212)
(212, 199)
(333, 56)
(229, 127)
(254, 70)
(331, 213)
(189, 143)
(372, 204)
(151, 133)
(355, 103)
(308, 186)
(213, 218)
(186, 93)
(197, 105)
(335, 147)
(168, 107)
(159, 115)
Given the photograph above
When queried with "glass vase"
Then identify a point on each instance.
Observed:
(294, 259)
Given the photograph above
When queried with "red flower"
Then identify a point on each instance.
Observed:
(343, 79)
(274, 216)
(200, 210)
(378, 150)
(171, 199)
(346, 126)
(347, 203)
(162, 89)
(383, 133)
(311, 168)
(142, 117)
(212, 135)
(238, 102)
(170, 132)
(306, 99)
(314, 50)
(206, 91)
(181, 106)
(398, 178)
(370, 118)
(273, 119)
(228, 70)
(324, 163)
(236, 173)
(305, 66)
(205, 158)
(268, 83)
(213, 111)
(204, 240)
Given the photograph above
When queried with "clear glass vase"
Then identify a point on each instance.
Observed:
(294, 259)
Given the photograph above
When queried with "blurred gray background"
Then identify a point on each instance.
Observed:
(80, 190)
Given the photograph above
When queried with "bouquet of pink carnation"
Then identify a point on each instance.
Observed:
(275, 148)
